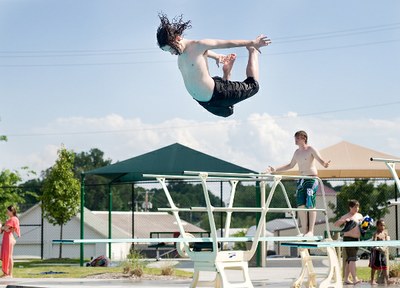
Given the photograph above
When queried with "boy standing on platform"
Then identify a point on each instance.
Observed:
(304, 157)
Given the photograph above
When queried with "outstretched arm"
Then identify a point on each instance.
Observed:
(286, 167)
(318, 157)
(260, 41)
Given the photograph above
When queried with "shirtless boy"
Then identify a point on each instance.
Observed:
(353, 234)
(305, 157)
(215, 94)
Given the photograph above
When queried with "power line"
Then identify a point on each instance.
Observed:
(277, 40)
(139, 50)
(200, 124)
(343, 110)
(354, 31)
(85, 64)
(170, 61)
(335, 47)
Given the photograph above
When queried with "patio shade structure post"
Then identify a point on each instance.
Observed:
(82, 248)
(110, 203)
(133, 211)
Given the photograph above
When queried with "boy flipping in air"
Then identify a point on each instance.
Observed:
(216, 94)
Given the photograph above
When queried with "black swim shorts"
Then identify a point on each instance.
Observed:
(351, 252)
(227, 93)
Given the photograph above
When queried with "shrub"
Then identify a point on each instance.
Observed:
(134, 265)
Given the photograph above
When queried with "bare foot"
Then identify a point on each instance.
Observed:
(228, 62)
(5, 276)
(309, 234)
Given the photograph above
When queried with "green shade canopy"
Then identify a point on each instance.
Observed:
(170, 160)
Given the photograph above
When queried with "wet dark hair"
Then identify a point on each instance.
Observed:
(12, 209)
(169, 30)
(380, 221)
(352, 203)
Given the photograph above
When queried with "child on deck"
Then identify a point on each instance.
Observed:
(378, 259)
(352, 232)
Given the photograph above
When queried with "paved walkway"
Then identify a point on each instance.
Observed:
(281, 273)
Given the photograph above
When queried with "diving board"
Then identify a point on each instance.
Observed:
(188, 240)
(325, 244)
(391, 165)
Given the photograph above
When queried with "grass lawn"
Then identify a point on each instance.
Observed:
(71, 269)
(364, 273)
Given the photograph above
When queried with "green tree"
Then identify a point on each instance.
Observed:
(10, 192)
(60, 199)
(32, 193)
(96, 188)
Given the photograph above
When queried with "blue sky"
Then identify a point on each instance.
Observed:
(89, 74)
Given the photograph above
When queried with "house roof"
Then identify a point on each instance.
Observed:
(170, 160)
(91, 221)
(280, 224)
(100, 225)
(285, 224)
(328, 191)
(146, 222)
(351, 161)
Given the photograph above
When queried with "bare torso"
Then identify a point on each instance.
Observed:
(194, 69)
(306, 161)
(355, 232)
(380, 236)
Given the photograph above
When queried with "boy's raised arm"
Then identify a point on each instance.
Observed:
(260, 41)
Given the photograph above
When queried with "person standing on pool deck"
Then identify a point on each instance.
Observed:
(378, 260)
(352, 233)
(7, 246)
(215, 94)
(305, 157)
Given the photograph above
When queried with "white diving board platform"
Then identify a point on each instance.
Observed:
(187, 240)
(238, 209)
(325, 244)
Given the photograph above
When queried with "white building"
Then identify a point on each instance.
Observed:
(96, 227)
(29, 245)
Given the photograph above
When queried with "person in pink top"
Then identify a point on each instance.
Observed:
(7, 246)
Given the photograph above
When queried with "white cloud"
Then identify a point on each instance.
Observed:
(256, 142)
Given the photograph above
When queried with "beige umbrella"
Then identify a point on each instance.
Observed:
(351, 161)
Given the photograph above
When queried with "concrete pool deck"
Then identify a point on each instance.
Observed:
(280, 273)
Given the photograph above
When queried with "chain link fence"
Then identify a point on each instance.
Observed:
(135, 214)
